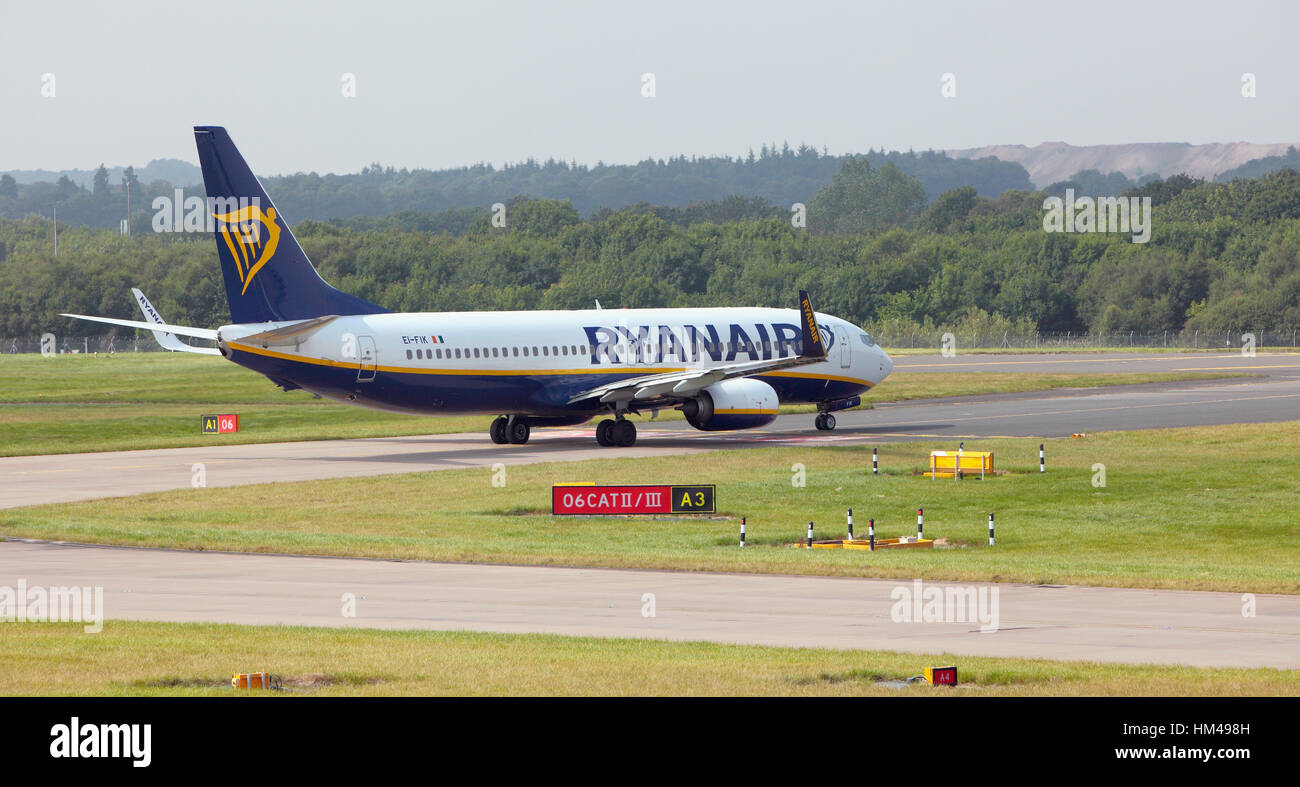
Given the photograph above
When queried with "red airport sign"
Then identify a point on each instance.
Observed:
(592, 500)
(220, 424)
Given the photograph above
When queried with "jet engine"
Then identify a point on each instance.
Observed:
(741, 403)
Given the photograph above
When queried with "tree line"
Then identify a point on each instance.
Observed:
(781, 176)
(1222, 257)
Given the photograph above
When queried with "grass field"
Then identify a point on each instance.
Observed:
(148, 659)
(77, 403)
(1207, 508)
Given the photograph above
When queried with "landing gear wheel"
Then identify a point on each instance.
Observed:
(604, 432)
(825, 422)
(518, 431)
(624, 433)
(498, 431)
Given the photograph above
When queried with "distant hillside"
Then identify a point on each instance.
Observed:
(780, 176)
(1050, 162)
(174, 171)
(1262, 166)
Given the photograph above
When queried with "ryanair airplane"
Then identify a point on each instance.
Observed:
(724, 368)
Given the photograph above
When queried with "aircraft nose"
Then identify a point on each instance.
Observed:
(886, 363)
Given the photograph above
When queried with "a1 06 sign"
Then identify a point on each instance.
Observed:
(220, 424)
(592, 500)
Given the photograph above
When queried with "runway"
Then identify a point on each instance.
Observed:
(1071, 623)
(1273, 364)
(1274, 396)
(1103, 624)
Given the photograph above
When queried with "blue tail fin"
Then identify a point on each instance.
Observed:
(268, 276)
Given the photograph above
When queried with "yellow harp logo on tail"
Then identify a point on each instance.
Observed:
(251, 235)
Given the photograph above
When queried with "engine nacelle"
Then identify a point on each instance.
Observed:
(743, 403)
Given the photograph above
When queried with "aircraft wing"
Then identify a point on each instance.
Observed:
(167, 339)
(686, 383)
(181, 330)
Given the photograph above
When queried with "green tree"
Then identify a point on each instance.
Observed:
(860, 200)
(949, 209)
(100, 187)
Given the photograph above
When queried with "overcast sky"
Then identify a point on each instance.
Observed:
(447, 84)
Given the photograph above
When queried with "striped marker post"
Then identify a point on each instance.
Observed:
(742, 532)
(850, 524)
(871, 534)
(990, 528)
(810, 528)
(920, 523)
(875, 463)
(1042, 459)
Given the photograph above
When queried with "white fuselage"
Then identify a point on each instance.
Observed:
(479, 361)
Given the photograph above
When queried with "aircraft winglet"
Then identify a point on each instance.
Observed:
(813, 346)
(167, 339)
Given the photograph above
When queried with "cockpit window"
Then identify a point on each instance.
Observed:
(867, 340)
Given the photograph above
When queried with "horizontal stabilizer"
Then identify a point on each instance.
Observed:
(289, 335)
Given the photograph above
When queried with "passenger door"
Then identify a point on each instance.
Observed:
(367, 357)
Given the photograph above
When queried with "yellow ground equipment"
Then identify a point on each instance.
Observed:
(880, 543)
(254, 680)
(960, 464)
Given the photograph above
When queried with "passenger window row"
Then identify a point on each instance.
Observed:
(564, 350)
(500, 352)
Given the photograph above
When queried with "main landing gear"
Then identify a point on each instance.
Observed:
(620, 432)
(825, 422)
(510, 429)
